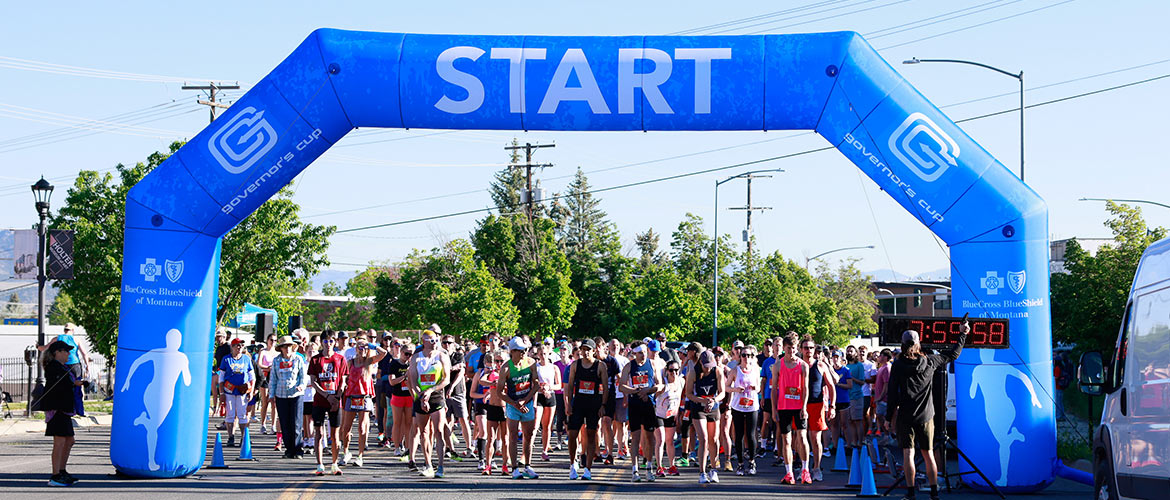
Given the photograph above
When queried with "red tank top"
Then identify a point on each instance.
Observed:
(788, 382)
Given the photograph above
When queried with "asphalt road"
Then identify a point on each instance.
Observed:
(24, 466)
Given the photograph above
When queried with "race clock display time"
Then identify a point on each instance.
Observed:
(942, 332)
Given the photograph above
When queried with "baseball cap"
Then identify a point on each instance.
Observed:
(910, 336)
(707, 359)
(517, 344)
(738, 343)
(69, 327)
(237, 341)
(653, 345)
(59, 345)
(589, 344)
(435, 328)
(548, 340)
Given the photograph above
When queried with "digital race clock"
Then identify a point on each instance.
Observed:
(940, 333)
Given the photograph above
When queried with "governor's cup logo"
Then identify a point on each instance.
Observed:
(923, 147)
(242, 141)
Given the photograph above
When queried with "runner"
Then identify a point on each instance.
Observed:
(667, 401)
(841, 423)
(264, 359)
(481, 388)
(856, 420)
(745, 387)
(613, 422)
(569, 354)
(586, 398)
(429, 375)
(767, 439)
(724, 429)
(549, 376)
(704, 391)
(359, 395)
(382, 389)
(304, 350)
(639, 381)
(327, 372)
(456, 401)
(789, 390)
(820, 383)
(400, 400)
(238, 378)
(515, 389)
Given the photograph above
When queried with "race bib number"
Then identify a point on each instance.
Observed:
(228, 386)
(328, 385)
(640, 381)
(427, 379)
(523, 387)
(357, 403)
(587, 387)
(284, 365)
(792, 393)
(747, 402)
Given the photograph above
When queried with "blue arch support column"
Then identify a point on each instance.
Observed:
(833, 83)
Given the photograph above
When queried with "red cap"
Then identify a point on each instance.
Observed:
(237, 341)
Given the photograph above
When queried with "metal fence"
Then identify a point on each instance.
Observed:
(15, 376)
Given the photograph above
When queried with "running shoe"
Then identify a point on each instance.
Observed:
(334, 469)
(428, 472)
(573, 471)
(221, 426)
(608, 460)
(320, 470)
(622, 455)
(805, 478)
(412, 466)
(739, 471)
(359, 461)
(454, 456)
(544, 456)
(481, 464)
(264, 429)
(68, 477)
(673, 470)
(529, 473)
(788, 479)
(439, 472)
(751, 468)
(727, 465)
(232, 441)
(517, 473)
(59, 480)
(680, 462)
(586, 475)
(713, 475)
(346, 458)
(487, 471)
(703, 478)
(661, 472)
(817, 475)
(637, 478)
(504, 469)
(827, 453)
(650, 477)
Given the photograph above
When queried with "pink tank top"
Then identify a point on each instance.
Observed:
(788, 382)
(359, 383)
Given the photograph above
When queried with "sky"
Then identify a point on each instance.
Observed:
(91, 86)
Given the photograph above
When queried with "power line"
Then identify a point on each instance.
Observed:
(69, 70)
(743, 164)
(965, 28)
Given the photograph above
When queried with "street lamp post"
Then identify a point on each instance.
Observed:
(42, 190)
(1163, 205)
(807, 260)
(715, 308)
(1019, 76)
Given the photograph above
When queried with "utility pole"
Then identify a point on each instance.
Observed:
(747, 235)
(212, 88)
(528, 147)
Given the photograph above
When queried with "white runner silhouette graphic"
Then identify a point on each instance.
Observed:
(159, 395)
(992, 378)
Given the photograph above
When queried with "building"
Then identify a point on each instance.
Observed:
(1057, 249)
(911, 298)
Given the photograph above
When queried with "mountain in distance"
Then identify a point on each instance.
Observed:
(337, 276)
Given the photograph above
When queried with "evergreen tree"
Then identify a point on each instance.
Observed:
(647, 244)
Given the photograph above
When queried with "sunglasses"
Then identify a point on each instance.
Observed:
(673, 370)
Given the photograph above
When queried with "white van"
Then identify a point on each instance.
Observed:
(1131, 448)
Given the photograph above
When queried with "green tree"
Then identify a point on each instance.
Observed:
(63, 310)
(647, 244)
(359, 313)
(779, 295)
(1088, 302)
(264, 259)
(12, 309)
(849, 290)
(693, 257)
(658, 299)
(332, 289)
(523, 254)
(449, 287)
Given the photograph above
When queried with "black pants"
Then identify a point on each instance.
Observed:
(559, 418)
(288, 410)
(743, 424)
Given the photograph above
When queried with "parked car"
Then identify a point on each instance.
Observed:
(1131, 447)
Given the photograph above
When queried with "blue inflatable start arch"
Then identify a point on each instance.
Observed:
(833, 83)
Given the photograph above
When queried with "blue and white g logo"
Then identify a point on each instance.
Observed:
(921, 145)
(242, 141)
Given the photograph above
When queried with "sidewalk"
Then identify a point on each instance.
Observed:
(20, 425)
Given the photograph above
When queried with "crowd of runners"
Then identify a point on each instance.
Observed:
(512, 404)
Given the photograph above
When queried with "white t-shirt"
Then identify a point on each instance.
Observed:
(667, 403)
(870, 371)
(622, 361)
(749, 400)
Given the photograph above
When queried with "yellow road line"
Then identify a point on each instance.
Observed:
(304, 490)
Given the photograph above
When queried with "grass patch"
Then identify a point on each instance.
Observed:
(95, 406)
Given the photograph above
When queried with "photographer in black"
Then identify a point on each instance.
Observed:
(910, 400)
